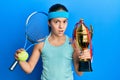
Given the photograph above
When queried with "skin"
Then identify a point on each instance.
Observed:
(58, 27)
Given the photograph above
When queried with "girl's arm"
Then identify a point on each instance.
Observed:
(77, 55)
(76, 63)
(29, 66)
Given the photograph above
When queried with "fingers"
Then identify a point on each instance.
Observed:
(18, 52)
(85, 54)
(84, 57)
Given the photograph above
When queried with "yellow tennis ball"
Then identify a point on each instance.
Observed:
(23, 56)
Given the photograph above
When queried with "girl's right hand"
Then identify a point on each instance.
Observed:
(18, 52)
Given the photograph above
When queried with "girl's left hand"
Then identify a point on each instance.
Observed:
(85, 54)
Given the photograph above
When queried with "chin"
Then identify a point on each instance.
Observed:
(60, 35)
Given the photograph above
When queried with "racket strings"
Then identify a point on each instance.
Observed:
(36, 30)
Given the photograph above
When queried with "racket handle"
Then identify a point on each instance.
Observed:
(13, 65)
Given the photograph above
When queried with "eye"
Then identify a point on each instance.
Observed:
(56, 21)
(65, 21)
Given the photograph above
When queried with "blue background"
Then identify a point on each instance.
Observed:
(104, 15)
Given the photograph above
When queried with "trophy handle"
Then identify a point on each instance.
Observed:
(91, 34)
(91, 31)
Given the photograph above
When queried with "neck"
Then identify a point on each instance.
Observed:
(56, 40)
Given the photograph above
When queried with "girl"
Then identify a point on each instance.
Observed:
(56, 51)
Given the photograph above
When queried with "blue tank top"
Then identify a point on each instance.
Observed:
(57, 61)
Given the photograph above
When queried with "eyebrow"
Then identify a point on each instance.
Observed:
(60, 20)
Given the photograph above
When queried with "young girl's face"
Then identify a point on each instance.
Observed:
(58, 26)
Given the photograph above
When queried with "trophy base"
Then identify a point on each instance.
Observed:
(85, 66)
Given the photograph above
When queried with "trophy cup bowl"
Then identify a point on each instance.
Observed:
(83, 39)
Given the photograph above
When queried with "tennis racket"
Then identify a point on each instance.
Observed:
(36, 31)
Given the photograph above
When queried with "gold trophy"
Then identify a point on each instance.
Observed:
(83, 36)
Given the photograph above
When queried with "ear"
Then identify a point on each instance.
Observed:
(49, 23)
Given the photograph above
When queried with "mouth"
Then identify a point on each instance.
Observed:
(61, 31)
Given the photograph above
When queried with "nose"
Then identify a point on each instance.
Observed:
(61, 25)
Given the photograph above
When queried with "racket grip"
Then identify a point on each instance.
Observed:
(13, 65)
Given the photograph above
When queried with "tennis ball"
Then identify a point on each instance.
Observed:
(23, 56)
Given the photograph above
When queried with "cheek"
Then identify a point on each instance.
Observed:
(54, 27)
(65, 26)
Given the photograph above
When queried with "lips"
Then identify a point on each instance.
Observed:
(61, 31)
